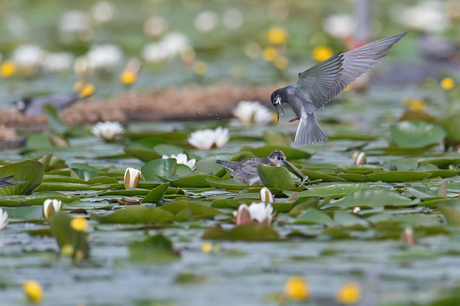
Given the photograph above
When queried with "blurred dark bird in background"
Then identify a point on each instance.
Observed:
(437, 49)
(34, 106)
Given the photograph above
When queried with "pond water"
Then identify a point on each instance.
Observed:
(389, 272)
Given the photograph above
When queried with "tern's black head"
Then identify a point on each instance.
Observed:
(277, 98)
(23, 104)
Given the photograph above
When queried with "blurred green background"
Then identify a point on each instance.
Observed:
(192, 41)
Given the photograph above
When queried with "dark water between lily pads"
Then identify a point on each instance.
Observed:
(329, 248)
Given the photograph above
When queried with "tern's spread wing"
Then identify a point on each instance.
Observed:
(360, 60)
(315, 83)
(323, 82)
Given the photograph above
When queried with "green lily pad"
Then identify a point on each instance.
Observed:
(354, 177)
(313, 216)
(143, 149)
(70, 187)
(156, 194)
(252, 231)
(24, 213)
(275, 177)
(343, 218)
(443, 173)
(83, 171)
(136, 214)
(334, 191)
(401, 164)
(443, 162)
(371, 198)
(183, 170)
(416, 134)
(198, 210)
(55, 124)
(397, 176)
(314, 175)
(161, 167)
(451, 125)
(451, 211)
(29, 170)
(154, 249)
(194, 180)
(273, 138)
(167, 149)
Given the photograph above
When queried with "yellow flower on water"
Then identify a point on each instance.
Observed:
(350, 293)
(270, 54)
(200, 67)
(7, 69)
(297, 288)
(321, 53)
(281, 62)
(128, 77)
(415, 105)
(348, 88)
(207, 247)
(79, 224)
(447, 83)
(33, 289)
(86, 89)
(277, 36)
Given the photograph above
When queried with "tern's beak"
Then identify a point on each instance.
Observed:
(278, 104)
(297, 170)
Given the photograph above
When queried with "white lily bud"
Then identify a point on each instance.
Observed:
(408, 236)
(132, 177)
(266, 195)
(3, 219)
(361, 159)
(50, 206)
(242, 215)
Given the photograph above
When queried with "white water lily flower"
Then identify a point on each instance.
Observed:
(132, 177)
(171, 45)
(3, 219)
(102, 12)
(28, 56)
(75, 21)
(206, 139)
(58, 61)
(262, 212)
(50, 206)
(339, 25)
(107, 130)
(233, 18)
(155, 26)
(182, 159)
(249, 112)
(206, 21)
(176, 43)
(428, 16)
(104, 56)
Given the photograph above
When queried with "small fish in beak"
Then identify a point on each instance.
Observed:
(278, 104)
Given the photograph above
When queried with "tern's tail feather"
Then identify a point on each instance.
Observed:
(309, 132)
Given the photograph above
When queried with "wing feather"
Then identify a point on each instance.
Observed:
(322, 82)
